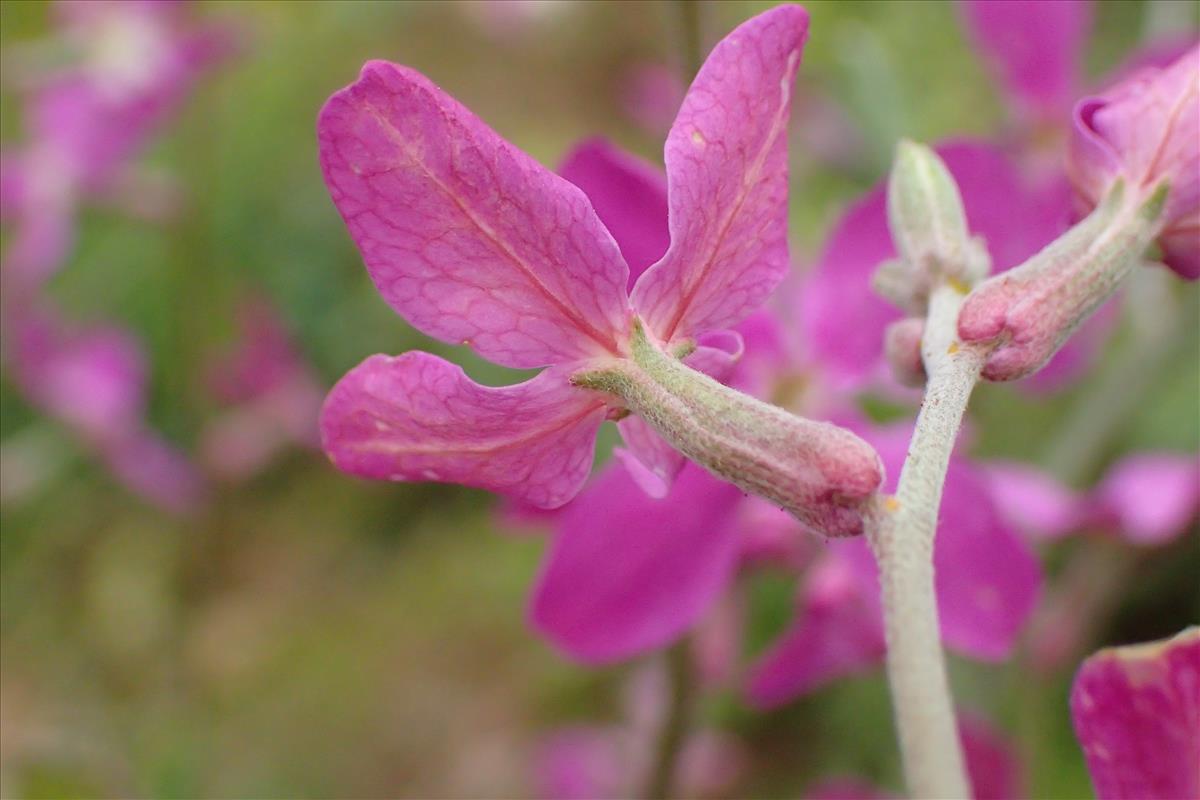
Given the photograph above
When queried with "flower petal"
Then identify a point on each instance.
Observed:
(1033, 501)
(416, 417)
(992, 763)
(629, 195)
(467, 237)
(1137, 715)
(1035, 46)
(838, 632)
(726, 160)
(1152, 496)
(626, 573)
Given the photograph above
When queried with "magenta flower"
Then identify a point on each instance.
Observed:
(1147, 498)
(94, 383)
(475, 243)
(583, 762)
(272, 395)
(680, 554)
(1036, 47)
(1146, 129)
(129, 67)
(1137, 715)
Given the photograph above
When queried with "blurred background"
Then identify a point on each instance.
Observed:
(287, 630)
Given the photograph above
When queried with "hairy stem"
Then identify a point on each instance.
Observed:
(673, 733)
(901, 533)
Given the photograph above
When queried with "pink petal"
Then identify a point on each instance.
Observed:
(629, 195)
(726, 160)
(844, 320)
(93, 380)
(416, 417)
(1033, 501)
(579, 763)
(837, 632)
(650, 94)
(1036, 47)
(1137, 715)
(1154, 497)
(626, 573)
(651, 461)
(1147, 128)
(468, 238)
(993, 766)
(151, 467)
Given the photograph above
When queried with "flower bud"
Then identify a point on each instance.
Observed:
(821, 474)
(1029, 311)
(902, 349)
(929, 228)
(1146, 130)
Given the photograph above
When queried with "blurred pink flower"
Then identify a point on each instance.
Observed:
(651, 94)
(1146, 129)
(1146, 498)
(273, 397)
(1036, 49)
(584, 762)
(94, 382)
(474, 243)
(128, 67)
(1137, 715)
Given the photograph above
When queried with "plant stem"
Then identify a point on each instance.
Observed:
(671, 736)
(901, 533)
(690, 30)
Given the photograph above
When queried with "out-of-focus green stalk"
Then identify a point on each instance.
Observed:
(681, 680)
(691, 16)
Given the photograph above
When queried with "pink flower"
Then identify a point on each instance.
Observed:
(474, 243)
(1146, 129)
(94, 383)
(130, 66)
(1036, 48)
(274, 397)
(1137, 715)
(583, 762)
(600, 595)
(1145, 498)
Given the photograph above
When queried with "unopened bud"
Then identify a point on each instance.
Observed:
(821, 474)
(902, 349)
(1146, 131)
(929, 229)
(1029, 311)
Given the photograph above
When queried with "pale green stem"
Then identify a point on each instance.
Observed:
(673, 733)
(901, 533)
